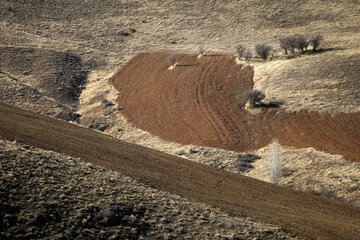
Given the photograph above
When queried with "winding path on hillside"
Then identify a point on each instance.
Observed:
(201, 101)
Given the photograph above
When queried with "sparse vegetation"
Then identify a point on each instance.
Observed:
(315, 42)
(172, 60)
(106, 103)
(244, 162)
(274, 162)
(240, 51)
(254, 96)
(201, 49)
(283, 44)
(247, 55)
(263, 50)
(288, 44)
(301, 43)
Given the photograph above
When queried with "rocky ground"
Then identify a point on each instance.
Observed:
(49, 195)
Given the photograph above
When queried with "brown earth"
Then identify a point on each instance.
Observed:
(302, 213)
(201, 101)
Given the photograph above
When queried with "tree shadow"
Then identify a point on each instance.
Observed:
(187, 65)
(323, 50)
(271, 105)
(213, 55)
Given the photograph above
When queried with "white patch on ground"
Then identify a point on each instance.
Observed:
(238, 61)
(310, 170)
(172, 66)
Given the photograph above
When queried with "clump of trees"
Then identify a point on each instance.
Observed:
(299, 42)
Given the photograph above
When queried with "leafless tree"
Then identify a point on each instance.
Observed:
(263, 50)
(201, 49)
(301, 43)
(172, 60)
(254, 96)
(240, 51)
(315, 42)
(284, 44)
(247, 55)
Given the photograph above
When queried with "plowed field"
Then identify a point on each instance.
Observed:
(201, 101)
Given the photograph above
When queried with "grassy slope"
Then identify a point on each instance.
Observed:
(302, 213)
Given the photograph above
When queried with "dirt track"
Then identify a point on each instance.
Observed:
(302, 213)
(200, 102)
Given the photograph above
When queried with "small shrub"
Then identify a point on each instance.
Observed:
(247, 55)
(263, 50)
(193, 150)
(172, 60)
(240, 51)
(243, 166)
(315, 42)
(274, 162)
(254, 96)
(106, 103)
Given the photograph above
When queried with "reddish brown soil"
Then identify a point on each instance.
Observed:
(200, 102)
(303, 213)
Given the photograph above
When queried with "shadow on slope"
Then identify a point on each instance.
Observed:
(59, 75)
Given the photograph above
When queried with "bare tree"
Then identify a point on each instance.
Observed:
(289, 44)
(284, 44)
(301, 43)
(274, 162)
(315, 42)
(201, 49)
(254, 96)
(263, 50)
(240, 51)
(172, 60)
(247, 55)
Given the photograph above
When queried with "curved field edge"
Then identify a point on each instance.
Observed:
(302, 213)
(200, 102)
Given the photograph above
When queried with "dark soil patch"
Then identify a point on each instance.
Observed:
(59, 75)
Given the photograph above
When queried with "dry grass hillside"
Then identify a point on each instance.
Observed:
(56, 58)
